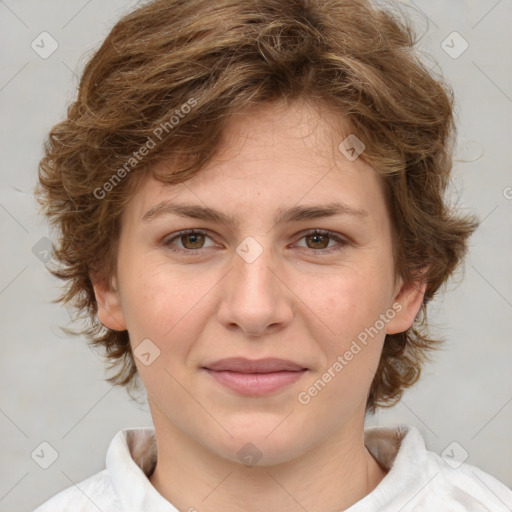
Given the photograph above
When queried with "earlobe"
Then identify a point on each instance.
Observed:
(410, 298)
(110, 312)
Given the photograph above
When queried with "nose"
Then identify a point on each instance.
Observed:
(254, 296)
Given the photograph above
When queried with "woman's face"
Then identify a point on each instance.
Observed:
(262, 285)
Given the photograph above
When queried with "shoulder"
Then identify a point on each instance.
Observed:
(445, 484)
(130, 457)
(92, 494)
(420, 480)
(466, 486)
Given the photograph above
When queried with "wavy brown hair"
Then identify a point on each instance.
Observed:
(172, 71)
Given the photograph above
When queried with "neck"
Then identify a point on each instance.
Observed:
(329, 477)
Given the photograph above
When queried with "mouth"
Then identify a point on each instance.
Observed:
(255, 377)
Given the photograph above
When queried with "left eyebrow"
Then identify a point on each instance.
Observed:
(295, 214)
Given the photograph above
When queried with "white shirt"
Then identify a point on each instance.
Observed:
(417, 480)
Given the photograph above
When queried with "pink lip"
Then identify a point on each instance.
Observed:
(255, 377)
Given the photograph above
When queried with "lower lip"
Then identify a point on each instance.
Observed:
(256, 384)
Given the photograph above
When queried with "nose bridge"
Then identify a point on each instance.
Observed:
(252, 273)
(255, 298)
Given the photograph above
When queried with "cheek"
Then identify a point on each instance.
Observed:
(167, 305)
(348, 303)
(349, 307)
(153, 299)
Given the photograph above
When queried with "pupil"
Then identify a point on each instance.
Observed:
(316, 241)
(194, 239)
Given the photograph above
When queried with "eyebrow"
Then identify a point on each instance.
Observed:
(295, 214)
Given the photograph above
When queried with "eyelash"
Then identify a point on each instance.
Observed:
(341, 242)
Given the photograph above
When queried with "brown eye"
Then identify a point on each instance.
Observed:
(192, 240)
(323, 242)
(318, 241)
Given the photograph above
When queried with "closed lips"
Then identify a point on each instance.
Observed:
(244, 365)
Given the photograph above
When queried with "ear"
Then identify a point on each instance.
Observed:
(409, 297)
(110, 312)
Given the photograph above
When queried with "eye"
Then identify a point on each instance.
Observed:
(319, 241)
(193, 240)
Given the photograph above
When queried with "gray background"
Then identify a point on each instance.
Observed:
(52, 386)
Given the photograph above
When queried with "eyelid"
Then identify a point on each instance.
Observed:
(341, 240)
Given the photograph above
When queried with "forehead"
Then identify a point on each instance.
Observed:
(272, 157)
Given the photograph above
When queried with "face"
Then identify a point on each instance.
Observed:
(296, 264)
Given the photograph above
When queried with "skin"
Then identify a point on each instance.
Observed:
(295, 301)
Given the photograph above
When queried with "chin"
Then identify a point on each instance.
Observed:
(261, 445)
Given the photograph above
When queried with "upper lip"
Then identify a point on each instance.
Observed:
(243, 365)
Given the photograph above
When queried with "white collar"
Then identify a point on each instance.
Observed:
(401, 450)
(131, 457)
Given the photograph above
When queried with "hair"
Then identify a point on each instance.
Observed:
(163, 84)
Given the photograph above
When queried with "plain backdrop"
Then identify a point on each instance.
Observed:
(52, 385)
